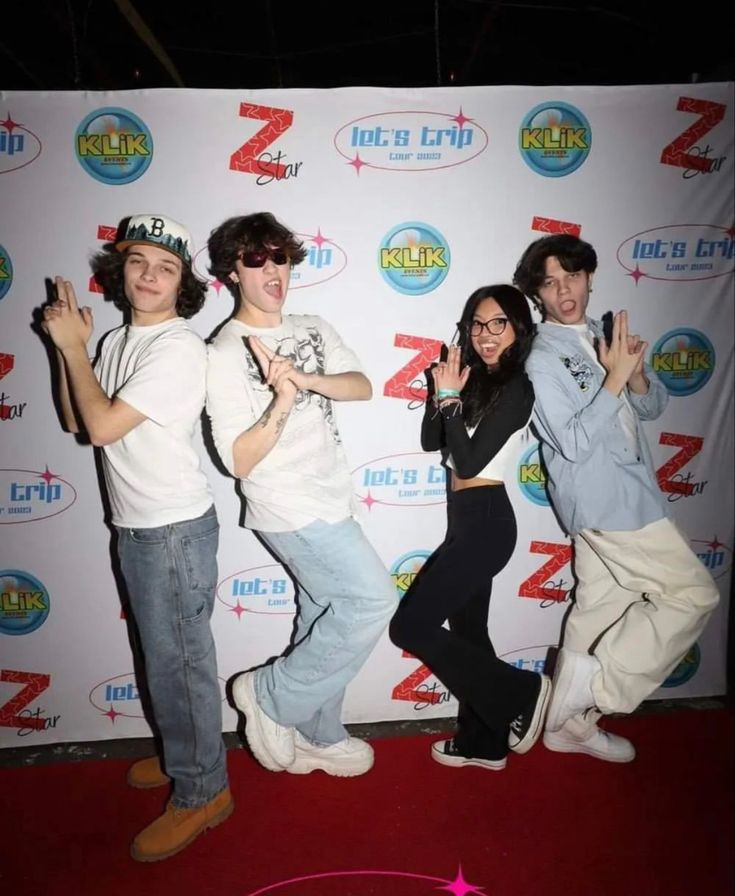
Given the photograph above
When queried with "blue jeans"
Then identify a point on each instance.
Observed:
(171, 576)
(345, 599)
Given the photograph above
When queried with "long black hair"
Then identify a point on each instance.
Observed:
(484, 384)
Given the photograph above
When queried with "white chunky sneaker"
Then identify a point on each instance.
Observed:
(345, 759)
(600, 743)
(272, 744)
(571, 691)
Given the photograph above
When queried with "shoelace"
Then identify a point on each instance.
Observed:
(517, 724)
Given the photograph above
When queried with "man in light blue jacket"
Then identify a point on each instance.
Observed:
(642, 596)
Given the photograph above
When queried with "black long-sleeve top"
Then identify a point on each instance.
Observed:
(446, 431)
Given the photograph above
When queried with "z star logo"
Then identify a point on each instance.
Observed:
(675, 153)
(10, 711)
(251, 157)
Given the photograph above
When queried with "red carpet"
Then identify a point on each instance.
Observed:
(551, 824)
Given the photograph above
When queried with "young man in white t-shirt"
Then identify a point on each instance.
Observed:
(271, 381)
(140, 403)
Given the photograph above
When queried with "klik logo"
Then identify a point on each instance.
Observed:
(684, 361)
(24, 602)
(532, 477)
(414, 258)
(27, 496)
(401, 480)
(260, 589)
(6, 272)
(684, 252)
(687, 668)
(554, 139)
(406, 568)
(114, 146)
(410, 141)
(19, 146)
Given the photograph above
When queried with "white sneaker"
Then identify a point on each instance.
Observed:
(345, 759)
(445, 753)
(600, 744)
(571, 691)
(272, 744)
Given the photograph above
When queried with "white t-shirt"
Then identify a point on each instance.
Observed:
(305, 476)
(153, 473)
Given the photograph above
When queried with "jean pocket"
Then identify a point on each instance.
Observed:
(200, 559)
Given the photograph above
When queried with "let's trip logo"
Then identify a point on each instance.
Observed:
(118, 697)
(27, 496)
(684, 361)
(264, 590)
(401, 480)
(114, 146)
(410, 141)
(414, 258)
(19, 146)
(684, 252)
(554, 139)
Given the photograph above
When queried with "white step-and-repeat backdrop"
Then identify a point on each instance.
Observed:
(407, 200)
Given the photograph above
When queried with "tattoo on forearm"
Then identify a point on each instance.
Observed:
(280, 423)
(265, 418)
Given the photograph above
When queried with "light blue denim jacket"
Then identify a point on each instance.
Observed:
(594, 478)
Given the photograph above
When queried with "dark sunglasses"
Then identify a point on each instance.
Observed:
(259, 258)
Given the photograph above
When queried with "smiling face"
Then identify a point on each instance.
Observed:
(490, 345)
(263, 291)
(564, 294)
(152, 278)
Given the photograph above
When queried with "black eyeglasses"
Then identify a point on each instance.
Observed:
(259, 258)
(495, 326)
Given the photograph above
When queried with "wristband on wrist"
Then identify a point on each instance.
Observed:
(447, 393)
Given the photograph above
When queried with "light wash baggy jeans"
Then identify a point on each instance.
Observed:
(171, 576)
(346, 598)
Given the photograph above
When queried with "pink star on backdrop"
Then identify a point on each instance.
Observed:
(357, 163)
(460, 887)
(237, 609)
(48, 475)
(9, 124)
(318, 240)
(461, 118)
(368, 501)
(112, 714)
(636, 274)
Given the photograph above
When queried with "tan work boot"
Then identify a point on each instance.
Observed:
(147, 773)
(176, 828)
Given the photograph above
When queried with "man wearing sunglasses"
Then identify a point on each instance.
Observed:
(271, 381)
(642, 597)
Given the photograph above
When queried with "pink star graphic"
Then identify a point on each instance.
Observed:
(112, 714)
(731, 232)
(637, 274)
(461, 118)
(357, 163)
(318, 240)
(218, 285)
(238, 609)
(715, 543)
(368, 501)
(460, 887)
(48, 475)
(9, 124)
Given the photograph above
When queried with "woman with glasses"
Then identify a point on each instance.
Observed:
(477, 413)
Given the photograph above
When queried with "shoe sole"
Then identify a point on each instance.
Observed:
(243, 696)
(563, 680)
(565, 746)
(537, 721)
(221, 816)
(306, 767)
(490, 765)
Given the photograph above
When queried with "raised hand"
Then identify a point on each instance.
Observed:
(68, 325)
(279, 373)
(623, 357)
(447, 374)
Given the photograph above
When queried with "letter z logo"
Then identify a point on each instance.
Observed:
(246, 158)
(35, 684)
(689, 446)
(403, 383)
(710, 114)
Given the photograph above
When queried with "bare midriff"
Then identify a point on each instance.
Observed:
(476, 481)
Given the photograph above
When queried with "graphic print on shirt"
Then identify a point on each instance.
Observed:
(580, 370)
(307, 355)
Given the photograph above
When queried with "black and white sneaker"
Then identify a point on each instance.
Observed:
(526, 728)
(445, 752)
